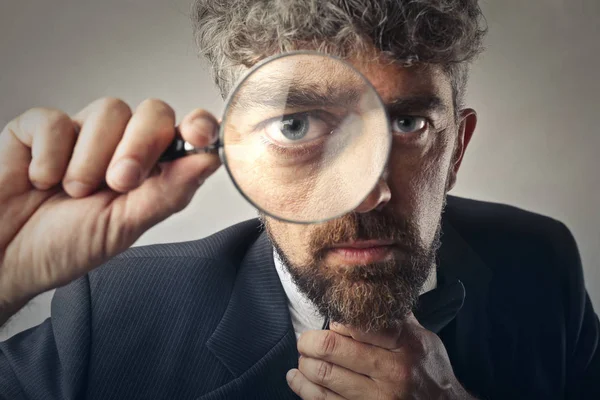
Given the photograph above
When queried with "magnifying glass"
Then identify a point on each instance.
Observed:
(305, 137)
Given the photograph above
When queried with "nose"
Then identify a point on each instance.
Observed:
(378, 198)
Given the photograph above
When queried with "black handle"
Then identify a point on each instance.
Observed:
(180, 148)
(176, 149)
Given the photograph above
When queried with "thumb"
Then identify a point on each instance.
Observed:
(173, 184)
(172, 189)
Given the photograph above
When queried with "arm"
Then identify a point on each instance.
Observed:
(52, 167)
(50, 361)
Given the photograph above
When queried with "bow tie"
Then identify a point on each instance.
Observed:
(435, 309)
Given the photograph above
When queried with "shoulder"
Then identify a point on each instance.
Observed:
(223, 250)
(531, 256)
(153, 306)
(170, 282)
(492, 227)
(227, 245)
(540, 318)
(474, 215)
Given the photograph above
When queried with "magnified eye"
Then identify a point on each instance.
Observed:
(297, 129)
(408, 124)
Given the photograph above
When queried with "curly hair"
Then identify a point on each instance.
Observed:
(236, 34)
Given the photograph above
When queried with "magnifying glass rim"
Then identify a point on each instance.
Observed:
(237, 88)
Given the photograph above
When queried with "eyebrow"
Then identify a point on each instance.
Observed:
(275, 95)
(415, 104)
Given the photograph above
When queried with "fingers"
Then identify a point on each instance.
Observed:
(348, 384)
(308, 390)
(148, 133)
(346, 352)
(105, 143)
(101, 124)
(200, 128)
(129, 146)
(173, 188)
(43, 139)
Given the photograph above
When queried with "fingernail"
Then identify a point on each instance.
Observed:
(205, 130)
(41, 185)
(126, 173)
(215, 135)
(290, 375)
(77, 188)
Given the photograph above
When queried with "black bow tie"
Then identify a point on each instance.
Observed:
(436, 308)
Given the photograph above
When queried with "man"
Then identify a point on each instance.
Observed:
(427, 295)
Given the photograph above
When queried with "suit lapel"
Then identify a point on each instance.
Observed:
(467, 338)
(255, 339)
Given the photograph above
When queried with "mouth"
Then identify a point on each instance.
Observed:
(360, 252)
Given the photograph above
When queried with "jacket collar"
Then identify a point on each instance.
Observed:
(457, 260)
(257, 317)
(467, 337)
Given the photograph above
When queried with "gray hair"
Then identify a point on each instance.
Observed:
(235, 34)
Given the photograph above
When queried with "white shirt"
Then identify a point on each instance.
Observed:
(304, 314)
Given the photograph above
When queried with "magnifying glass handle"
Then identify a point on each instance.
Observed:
(180, 148)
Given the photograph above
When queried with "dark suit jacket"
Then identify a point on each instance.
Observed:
(208, 319)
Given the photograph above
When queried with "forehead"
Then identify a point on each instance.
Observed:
(303, 77)
(393, 81)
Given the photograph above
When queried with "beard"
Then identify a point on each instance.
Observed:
(369, 297)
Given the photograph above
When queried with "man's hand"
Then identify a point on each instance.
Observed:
(344, 363)
(76, 191)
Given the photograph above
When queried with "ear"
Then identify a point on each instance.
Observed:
(467, 124)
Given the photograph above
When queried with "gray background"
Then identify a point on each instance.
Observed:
(536, 91)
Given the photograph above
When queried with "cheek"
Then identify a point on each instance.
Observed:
(293, 239)
(417, 179)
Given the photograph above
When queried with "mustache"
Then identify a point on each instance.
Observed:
(375, 225)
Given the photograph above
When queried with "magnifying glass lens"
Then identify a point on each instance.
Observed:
(305, 137)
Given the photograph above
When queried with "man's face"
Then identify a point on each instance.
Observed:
(366, 268)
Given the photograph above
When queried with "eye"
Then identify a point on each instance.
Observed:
(407, 124)
(297, 129)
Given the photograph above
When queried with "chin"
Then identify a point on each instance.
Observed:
(369, 297)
